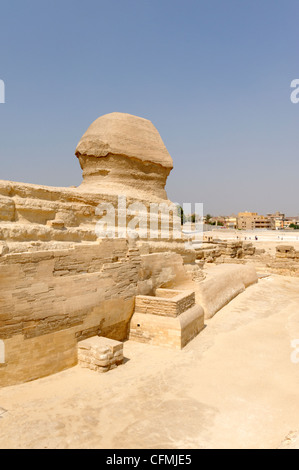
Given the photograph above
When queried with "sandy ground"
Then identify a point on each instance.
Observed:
(234, 386)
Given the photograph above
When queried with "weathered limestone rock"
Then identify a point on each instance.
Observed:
(57, 223)
(7, 209)
(127, 135)
(60, 283)
(52, 299)
(286, 251)
(195, 271)
(3, 248)
(222, 251)
(100, 354)
(121, 153)
(222, 284)
(284, 262)
(178, 246)
(284, 248)
(170, 318)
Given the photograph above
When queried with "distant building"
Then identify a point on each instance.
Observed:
(278, 220)
(231, 222)
(291, 220)
(253, 221)
(217, 221)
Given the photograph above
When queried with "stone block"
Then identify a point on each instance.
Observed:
(172, 332)
(170, 319)
(100, 353)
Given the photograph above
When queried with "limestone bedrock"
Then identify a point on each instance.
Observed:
(120, 155)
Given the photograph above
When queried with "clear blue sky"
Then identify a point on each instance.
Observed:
(212, 75)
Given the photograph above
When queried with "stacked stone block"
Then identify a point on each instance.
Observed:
(100, 354)
(171, 318)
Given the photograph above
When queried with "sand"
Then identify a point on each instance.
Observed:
(233, 386)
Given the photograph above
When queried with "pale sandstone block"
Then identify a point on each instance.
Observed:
(90, 352)
(167, 329)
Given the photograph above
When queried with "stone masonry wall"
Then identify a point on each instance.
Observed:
(51, 300)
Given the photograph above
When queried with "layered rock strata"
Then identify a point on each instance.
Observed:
(170, 318)
(125, 166)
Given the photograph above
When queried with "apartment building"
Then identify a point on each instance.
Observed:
(253, 221)
(278, 220)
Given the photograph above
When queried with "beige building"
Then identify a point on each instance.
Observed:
(253, 221)
(278, 220)
(289, 221)
(231, 222)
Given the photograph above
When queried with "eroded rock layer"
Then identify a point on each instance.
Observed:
(122, 156)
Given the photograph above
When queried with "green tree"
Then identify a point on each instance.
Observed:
(181, 215)
(208, 218)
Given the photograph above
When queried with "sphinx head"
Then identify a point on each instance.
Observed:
(124, 154)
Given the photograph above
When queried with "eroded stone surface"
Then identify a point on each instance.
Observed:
(126, 135)
(170, 318)
(100, 354)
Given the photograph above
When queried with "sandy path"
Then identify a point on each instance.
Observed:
(232, 386)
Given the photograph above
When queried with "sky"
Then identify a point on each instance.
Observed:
(212, 75)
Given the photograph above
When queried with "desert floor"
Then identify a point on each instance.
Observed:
(234, 386)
